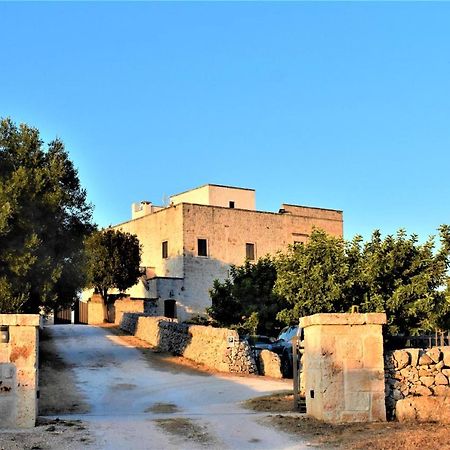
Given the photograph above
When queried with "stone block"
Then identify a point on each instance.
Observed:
(343, 319)
(414, 354)
(357, 401)
(427, 381)
(378, 407)
(364, 380)
(31, 320)
(423, 409)
(424, 359)
(441, 390)
(23, 346)
(435, 354)
(440, 379)
(402, 359)
(446, 355)
(372, 349)
(270, 364)
(422, 391)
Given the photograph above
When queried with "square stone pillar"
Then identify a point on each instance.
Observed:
(343, 367)
(19, 370)
(96, 310)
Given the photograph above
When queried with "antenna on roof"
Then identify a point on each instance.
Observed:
(165, 200)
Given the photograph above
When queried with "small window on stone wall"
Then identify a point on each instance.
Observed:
(165, 249)
(170, 309)
(231, 204)
(202, 247)
(250, 251)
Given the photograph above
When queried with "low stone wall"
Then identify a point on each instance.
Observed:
(19, 370)
(269, 364)
(417, 384)
(128, 305)
(217, 348)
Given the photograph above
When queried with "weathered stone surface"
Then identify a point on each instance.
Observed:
(405, 373)
(423, 409)
(435, 354)
(29, 320)
(18, 371)
(446, 355)
(424, 372)
(441, 391)
(440, 378)
(343, 319)
(425, 360)
(270, 364)
(427, 381)
(421, 391)
(401, 358)
(426, 376)
(414, 354)
(397, 394)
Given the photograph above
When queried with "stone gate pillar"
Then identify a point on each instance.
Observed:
(343, 367)
(19, 342)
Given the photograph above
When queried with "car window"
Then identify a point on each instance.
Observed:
(288, 333)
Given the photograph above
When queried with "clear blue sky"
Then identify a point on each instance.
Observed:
(337, 105)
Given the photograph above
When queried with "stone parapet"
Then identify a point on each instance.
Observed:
(21, 320)
(343, 319)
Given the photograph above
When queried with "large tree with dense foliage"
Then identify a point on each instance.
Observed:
(396, 274)
(113, 261)
(246, 299)
(44, 219)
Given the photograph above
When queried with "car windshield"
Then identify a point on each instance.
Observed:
(288, 333)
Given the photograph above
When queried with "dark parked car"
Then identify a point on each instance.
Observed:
(258, 342)
(283, 347)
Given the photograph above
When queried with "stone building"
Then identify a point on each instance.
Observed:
(195, 239)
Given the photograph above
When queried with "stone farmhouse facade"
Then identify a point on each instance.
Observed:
(194, 240)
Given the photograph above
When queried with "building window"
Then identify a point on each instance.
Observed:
(250, 251)
(231, 204)
(165, 249)
(202, 247)
(170, 309)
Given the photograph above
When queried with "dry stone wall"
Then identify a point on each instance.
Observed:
(217, 348)
(417, 384)
(128, 305)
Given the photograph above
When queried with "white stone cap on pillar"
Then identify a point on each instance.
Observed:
(21, 320)
(343, 319)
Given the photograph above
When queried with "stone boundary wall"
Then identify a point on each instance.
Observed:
(417, 384)
(128, 305)
(217, 348)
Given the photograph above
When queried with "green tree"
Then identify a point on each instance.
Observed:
(406, 279)
(396, 274)
(313, 277)
(44, 218)
(246, 299)
(113, 261)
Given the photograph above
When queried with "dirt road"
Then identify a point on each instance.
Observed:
(134, 403)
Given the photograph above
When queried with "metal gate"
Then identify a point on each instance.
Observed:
(63, 315)
(299, 394)
(81, 312)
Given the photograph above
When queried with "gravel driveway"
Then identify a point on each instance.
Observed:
(140, 405)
